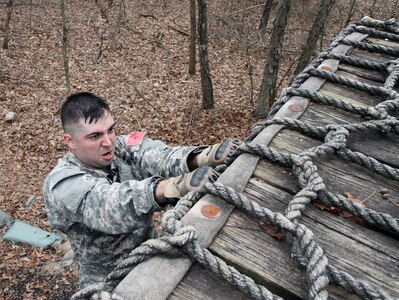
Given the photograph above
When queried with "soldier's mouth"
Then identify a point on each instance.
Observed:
(107, 155)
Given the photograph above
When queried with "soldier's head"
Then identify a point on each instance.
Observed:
(89, 129)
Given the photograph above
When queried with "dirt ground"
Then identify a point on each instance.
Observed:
(143, 73)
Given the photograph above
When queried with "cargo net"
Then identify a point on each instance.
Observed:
(177, 239)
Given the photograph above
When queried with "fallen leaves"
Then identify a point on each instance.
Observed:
(272, 231)
(342, 213)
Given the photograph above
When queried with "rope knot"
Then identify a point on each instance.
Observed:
(338, 135)
(377, 112)
(183, 236)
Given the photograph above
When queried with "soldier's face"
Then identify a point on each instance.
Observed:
(94, 143)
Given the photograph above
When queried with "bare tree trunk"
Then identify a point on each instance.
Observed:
(351, 11)
(372, 8)
(193, 38)
(65, 47)
(103, 9)
(10, 6)
(271, 69)
(265, 19)
(206, 80)
(314, 34)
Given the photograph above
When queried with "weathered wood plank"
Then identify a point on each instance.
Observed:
(263, 193)
(350, 95)
(340, 176)
(364, 73)
(320, 114)
(375, 57)
(200, 283)
(377, 41)
(381, 146)
(357, 250)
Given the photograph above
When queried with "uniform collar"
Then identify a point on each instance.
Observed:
(71, 158)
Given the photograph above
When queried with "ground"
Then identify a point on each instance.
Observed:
(138, 61)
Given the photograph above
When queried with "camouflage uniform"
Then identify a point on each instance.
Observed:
(106, 214)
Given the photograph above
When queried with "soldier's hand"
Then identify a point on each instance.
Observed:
(177, 187)
(216, 154)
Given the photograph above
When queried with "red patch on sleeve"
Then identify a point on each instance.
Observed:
(135, 138)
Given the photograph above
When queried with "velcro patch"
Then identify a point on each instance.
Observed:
(135, 138)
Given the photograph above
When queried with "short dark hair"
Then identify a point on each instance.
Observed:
(83, 105)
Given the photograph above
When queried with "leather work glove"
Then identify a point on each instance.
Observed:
(216, 154)
(177, 187)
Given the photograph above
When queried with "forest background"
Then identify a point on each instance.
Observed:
(136, 55)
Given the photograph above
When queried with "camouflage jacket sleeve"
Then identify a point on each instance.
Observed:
(155, 158)
(112, 208)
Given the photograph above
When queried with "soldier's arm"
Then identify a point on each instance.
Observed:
(111, 208)
(153, 157)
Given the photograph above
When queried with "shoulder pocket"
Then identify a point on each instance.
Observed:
(70, 187)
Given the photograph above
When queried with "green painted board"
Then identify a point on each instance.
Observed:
(24, 233)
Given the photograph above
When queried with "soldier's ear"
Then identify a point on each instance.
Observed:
(69, 141)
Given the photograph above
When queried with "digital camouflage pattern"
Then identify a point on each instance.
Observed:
(107, 213)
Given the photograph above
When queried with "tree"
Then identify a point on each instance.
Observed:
(10, 6)
(350, 14)
(65, 47)
(193, 38)
(271, 69)
(314, 34)
(372, 8)
(206, 80)
(265, 18)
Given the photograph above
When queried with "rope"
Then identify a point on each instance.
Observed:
(178, 240)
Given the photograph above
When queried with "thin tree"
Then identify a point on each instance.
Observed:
(350, 14)
(265, 19)
(314, 34)
(65, 47)
(10, 6)
(372, 8)
(193, 38)
(206, 80)
(267, 89)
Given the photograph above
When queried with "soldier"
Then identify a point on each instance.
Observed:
(103, 192)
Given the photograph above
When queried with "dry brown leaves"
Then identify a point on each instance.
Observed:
(342, 213)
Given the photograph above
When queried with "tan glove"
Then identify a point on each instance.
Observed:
(177, 187)
(216, 155)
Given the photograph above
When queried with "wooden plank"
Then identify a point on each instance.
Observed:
(340, 176)
(382, 42)
(320, 114)
(383, 147)
(355, 249)
(359, 78)
(350, 95)
(375, 57)
(200, 283)
(364, 73)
